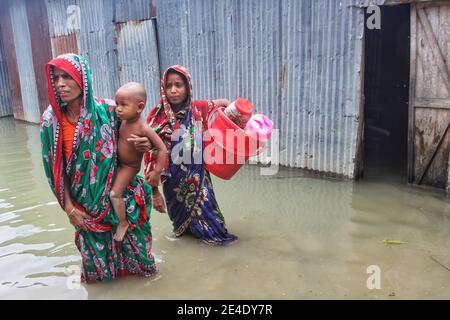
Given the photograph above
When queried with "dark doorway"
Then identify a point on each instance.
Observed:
(386, 91)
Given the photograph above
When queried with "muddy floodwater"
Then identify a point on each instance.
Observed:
(299, 238)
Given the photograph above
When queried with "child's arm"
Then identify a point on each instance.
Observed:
(208, 106)
(221, 102)
(161, 157)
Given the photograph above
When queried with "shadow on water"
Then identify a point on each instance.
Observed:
(299, 238)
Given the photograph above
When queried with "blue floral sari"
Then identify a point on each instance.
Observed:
(187, 186)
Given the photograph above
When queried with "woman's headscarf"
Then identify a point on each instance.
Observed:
(162, 118)
(164, 121)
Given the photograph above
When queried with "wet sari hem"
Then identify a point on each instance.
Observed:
(152, 271)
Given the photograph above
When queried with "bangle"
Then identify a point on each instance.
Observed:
(71, 212)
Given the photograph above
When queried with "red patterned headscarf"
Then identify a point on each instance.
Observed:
(164, 121)
(74, 68)
(162, 118)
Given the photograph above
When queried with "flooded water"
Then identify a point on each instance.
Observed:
(299, 238)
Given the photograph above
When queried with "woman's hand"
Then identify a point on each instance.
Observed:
(142, 144)
(153, 178)
(221, 102)
(77, 218)
(158, 201)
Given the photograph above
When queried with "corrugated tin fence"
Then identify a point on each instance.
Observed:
(138, 57)
(321, 89)
(298, 61)
(11, 60)
(22, 42)
(118, 37)
(5, 96)
(64, 18)
(24, 33)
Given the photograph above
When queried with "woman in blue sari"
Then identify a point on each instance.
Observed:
(180, 122)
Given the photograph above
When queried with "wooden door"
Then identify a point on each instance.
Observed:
(429, 110)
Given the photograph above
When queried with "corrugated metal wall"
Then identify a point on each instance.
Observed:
(11, 60)
(138, 57)
(5, 96)
(86, 27)
(40, 46)
(64, 44)
(134, 10)
(93, 36)
(64, 25)
(298, 61)
(137, 52)
(172, 32)
(22, 43)
(61, 16)
(322, 48)
(118, 50)
(97, 43)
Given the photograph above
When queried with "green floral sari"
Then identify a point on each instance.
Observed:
(91, 169)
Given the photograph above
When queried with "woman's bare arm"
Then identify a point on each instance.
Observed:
(161, 157)
(142, 144)
(221, 102)
(76, 216)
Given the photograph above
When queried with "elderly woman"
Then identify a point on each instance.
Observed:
(180, 121)
(79, 150)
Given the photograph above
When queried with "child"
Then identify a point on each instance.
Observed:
(130, 102)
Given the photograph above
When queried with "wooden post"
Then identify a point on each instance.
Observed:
(412, 86)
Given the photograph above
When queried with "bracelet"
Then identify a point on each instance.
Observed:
(71, 212)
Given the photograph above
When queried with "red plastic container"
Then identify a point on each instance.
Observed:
(239, 111)
(227, 146)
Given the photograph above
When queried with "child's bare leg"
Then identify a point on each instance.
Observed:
(123, 178)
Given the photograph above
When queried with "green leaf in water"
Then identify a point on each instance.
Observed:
(391, 241)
